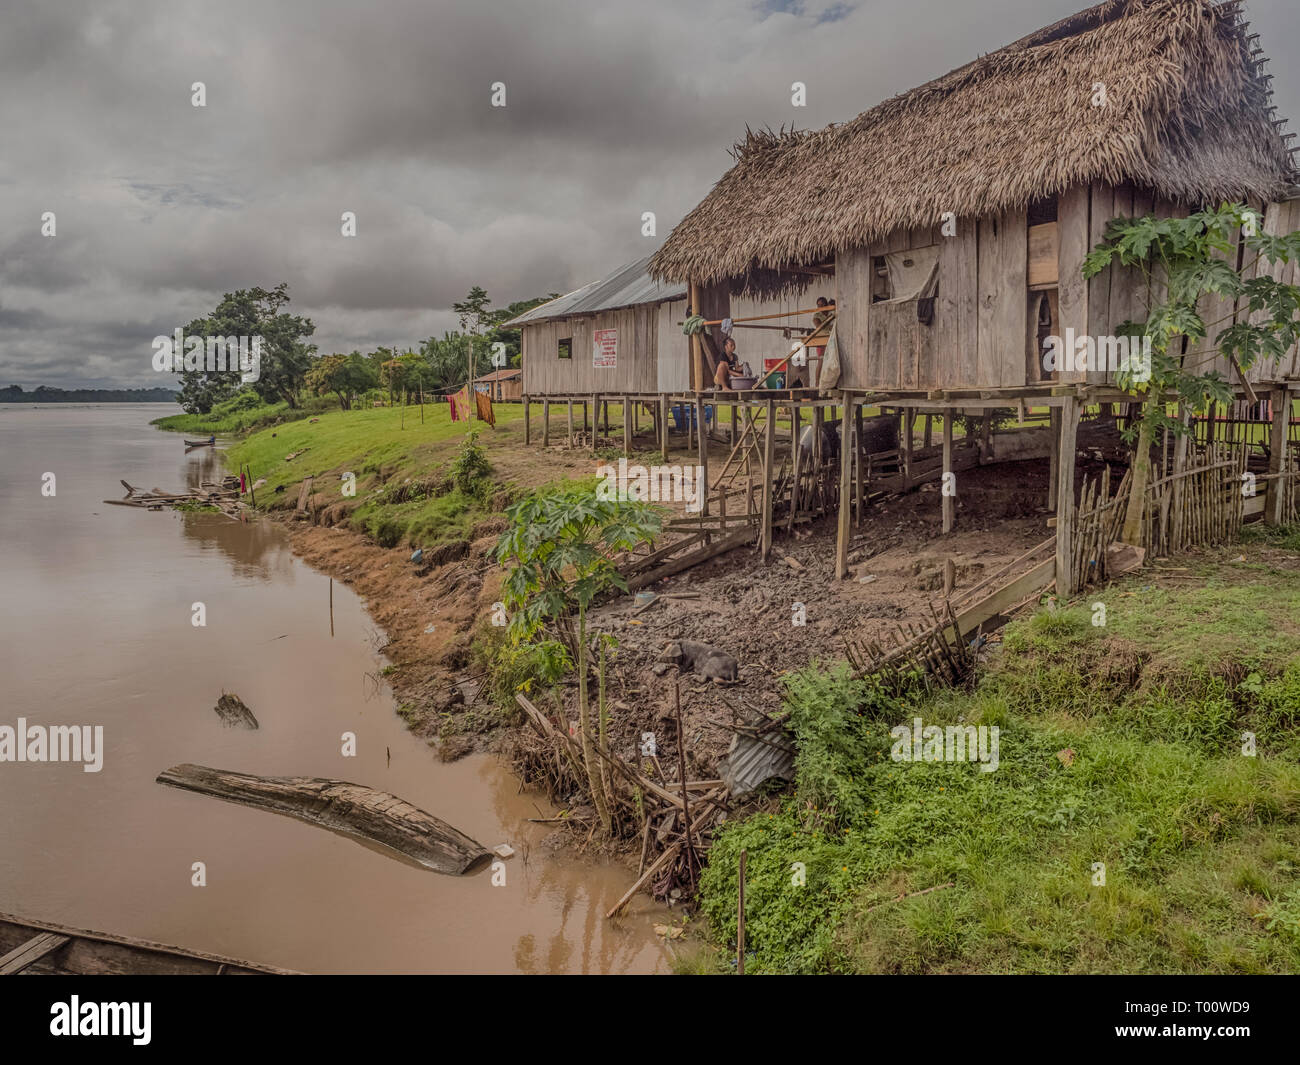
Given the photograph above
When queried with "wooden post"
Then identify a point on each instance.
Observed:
(528, 410)
(1054, 464)
(546, 423)
(1065, 498)
(702, 440)
(796, 468)
(928, 437)
(907, 447)
(986, 436)
(663, 426)
(859, 493)
(595, 420)
(1277, 444)
(570, 423)
(627, 427)
(847, 437)
(740, 917)
(769, 456)
(949, 500)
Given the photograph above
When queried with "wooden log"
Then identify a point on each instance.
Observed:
(352, 809)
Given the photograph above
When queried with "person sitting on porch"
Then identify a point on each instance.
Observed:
(728, 367)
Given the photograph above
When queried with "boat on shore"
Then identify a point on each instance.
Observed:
(41, 948)
(209, 442)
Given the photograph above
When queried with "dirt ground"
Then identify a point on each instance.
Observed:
(429, 614)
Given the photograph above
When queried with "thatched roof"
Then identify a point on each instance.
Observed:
(1186, 117)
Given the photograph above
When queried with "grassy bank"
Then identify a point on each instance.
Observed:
(243, 413)
(413, 483)
(1120, 744)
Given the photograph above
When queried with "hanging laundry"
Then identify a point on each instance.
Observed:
(483, 406)
(464, 412)
(451, 402)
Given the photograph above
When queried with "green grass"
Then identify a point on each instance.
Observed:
(1200, 843)
(404, 488)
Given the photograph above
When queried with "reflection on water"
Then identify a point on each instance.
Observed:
(97, 631)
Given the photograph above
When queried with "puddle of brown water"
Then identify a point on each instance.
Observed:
(97, 631)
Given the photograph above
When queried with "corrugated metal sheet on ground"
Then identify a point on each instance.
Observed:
(627, 286)
(755, 759)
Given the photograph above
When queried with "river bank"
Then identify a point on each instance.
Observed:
(100, 633)
(1122, 744)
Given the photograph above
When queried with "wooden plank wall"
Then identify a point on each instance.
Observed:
(545, 373)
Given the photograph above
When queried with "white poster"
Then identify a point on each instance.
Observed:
(604, 349)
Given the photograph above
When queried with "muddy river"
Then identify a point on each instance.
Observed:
(96, 629)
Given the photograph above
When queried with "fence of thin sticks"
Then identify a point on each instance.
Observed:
(937, 652)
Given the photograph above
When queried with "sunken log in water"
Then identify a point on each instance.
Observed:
(234, 713)
(353, 809)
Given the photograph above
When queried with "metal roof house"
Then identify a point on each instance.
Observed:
(615, 335)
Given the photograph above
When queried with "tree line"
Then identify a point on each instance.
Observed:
(291, 366)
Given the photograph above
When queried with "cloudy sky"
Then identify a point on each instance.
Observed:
(384, 108)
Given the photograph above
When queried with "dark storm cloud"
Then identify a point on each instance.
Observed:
(316, 108)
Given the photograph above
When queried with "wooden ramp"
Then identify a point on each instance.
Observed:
(30, 947)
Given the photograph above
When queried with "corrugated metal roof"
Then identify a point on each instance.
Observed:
(627, 286)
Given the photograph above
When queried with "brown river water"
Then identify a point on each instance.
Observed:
(96, 630)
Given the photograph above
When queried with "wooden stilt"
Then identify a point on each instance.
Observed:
(948, 487)
(663, 426)
(905, 432)
(796, 466)
(769, 457)
(1065, 498)
(1054, 464)
(848, 445)
(702, 441)
(1276, 493)
(627, 427)
(859, 458)
(527, 412)
(546, 423)
(570, 424)
(595, 420)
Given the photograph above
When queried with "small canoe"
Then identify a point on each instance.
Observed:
(201, 443)
(38, 947)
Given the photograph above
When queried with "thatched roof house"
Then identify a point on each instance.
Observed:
(978, 194)
(1185, 116)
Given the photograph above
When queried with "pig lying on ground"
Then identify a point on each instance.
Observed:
(702, 660)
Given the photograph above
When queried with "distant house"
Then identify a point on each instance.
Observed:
(501, 385)
(618, 334)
